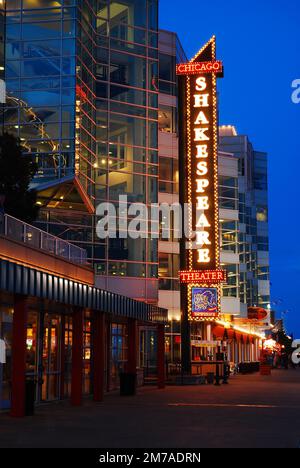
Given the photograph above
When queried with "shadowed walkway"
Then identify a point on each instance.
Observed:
(252, 411)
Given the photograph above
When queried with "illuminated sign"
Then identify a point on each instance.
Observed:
(206, 343)
(199, 150)
(205, 302)
(197, 68)
(204, 277)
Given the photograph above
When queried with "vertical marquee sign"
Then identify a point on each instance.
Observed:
(200, 255)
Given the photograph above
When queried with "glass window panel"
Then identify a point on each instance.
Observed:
(153, 39)
(102, 72)
(41, 31)
(122, 45)
(133, 185)
(130, 12)
(12, 69)
(127, 249)
(33, 4)
(127, 130)
(166, 67)
(128, 70)
(13, 4)
(101, 8)
(127, 109)
(38, 98)
(11, 115)
(102, 28)
(40, 49)
(13, 50)
(166, 119)
(127, 269)
(132, 96)
(68, 66)
(40, 83)
(41, 67)
(153, 134)
(69, 28)
(41, 15)
(13, 32)
(153, 14)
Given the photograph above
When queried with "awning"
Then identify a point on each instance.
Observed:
(224, 334)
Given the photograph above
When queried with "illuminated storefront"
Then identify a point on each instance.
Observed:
(57, 330)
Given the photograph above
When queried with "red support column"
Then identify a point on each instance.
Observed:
(161, 356)
(132, 346)
(99, 355)
(19, 357)
(77, 357)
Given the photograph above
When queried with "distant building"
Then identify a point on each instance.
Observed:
(253, 217)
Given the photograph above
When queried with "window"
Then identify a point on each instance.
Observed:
(229, 236)
(167, 119)
(262, 214)
(118, 352)
(228, 192)
(168, 271)
(168, 175)
(231, 288)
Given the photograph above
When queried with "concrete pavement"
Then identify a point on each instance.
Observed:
(252, 411)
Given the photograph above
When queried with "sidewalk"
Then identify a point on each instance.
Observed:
(252, 411)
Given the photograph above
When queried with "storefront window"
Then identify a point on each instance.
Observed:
(87, 356)
(119, 352)
(31, 343)
(68, 356)
(148, 350)
(51, 358)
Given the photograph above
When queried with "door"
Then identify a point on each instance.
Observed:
(51, 358)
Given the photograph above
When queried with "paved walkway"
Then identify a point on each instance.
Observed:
(252, 411)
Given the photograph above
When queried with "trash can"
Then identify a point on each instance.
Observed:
(29, 397)
(210, 377)
(127, 384)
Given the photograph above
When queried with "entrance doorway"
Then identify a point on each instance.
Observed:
(51, 358)
(49, 354)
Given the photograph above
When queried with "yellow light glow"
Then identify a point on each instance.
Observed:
(230, 325)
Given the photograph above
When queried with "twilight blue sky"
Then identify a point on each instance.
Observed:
(259, 42)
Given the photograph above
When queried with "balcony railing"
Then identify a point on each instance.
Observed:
(38, 239)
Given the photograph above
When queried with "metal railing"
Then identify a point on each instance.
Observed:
(38, 239)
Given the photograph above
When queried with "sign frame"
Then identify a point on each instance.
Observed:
(200, 254)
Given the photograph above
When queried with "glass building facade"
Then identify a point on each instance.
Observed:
(82, 86)
(253, 236)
